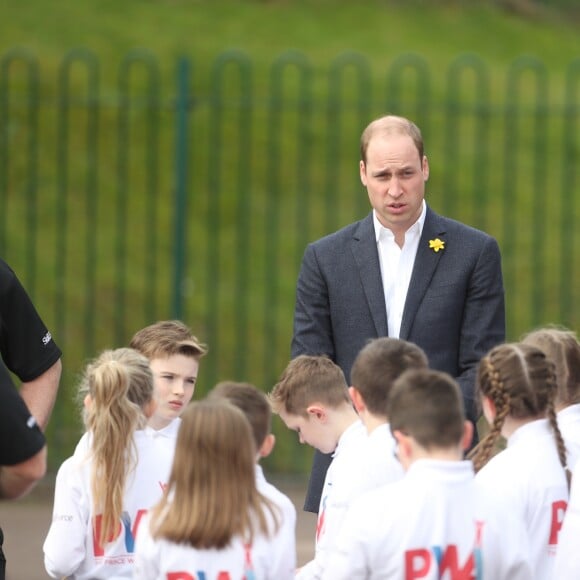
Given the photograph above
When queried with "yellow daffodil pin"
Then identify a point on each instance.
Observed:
(437, 244)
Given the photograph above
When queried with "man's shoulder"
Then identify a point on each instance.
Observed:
(342, 235)
(455, 227)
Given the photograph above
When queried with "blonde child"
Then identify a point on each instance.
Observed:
(562, 347)
(312, 399)
(105, 488)
(174, 353)
(212, 522)
(435, 522)
(375, 369)
(518, 389)
(256, 407)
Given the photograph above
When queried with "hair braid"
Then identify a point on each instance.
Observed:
(492, 387)
(551, 414)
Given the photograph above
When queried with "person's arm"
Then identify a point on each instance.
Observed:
(147, 557)
(283, 544)
(22, 443)
(483, 325)
(312, 327)
(40, 394)
(65, 544)
(18, 480)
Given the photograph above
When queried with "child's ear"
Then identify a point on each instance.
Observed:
(489, 411)
(149, 408)
(317, 411)
(267, 445)
(404, 448)
(467, 435)
(356, 399)
(87, 401)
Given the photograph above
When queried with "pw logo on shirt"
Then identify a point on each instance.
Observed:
(419, 563)
(130, 532)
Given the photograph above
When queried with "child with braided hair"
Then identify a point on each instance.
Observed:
(517, 385)
(561, 346)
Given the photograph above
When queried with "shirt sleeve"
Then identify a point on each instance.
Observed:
(347, 559)
(65, 545)
(20, 436)
(26, 344)
(146, 553)
(283, 560)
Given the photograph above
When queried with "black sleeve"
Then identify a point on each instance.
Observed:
(20, 436)
(26, 345)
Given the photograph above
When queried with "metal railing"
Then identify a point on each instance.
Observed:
(134, 192)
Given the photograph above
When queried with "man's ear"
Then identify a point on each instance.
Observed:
(356, 399)
(467, 435)
(363, 173)
(425, 167)
(267, 445)
(317, 411)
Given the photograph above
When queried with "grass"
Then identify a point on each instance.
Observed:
(283, 183)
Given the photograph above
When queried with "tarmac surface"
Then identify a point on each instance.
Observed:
(25, 524)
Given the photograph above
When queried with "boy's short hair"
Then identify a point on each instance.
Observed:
(306, 380)
(253, 402)
(428, 406)
(167, 338)
(377, 366)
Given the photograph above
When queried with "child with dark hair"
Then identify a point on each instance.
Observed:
(379, 363)
(435, 522)
(518, 389)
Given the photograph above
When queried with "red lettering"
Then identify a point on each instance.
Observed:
(224, 576)
(98, 548)
(138, 518)
(558, 512)
(417, 563)
(179, 576)
(450, 561)
(479, 533)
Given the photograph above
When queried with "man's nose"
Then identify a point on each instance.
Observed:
(395, 190)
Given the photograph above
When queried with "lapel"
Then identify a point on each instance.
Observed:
(366, 257)
(426, 261)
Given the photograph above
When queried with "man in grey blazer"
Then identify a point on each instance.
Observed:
(403, 271)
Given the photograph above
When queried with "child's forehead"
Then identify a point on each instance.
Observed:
(174, 361)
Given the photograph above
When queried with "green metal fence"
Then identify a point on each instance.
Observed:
(139, 190)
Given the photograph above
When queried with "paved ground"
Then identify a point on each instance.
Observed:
(26, 522)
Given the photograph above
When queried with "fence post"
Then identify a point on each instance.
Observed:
(181, 159)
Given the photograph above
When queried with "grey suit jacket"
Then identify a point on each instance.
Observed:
(454, 308)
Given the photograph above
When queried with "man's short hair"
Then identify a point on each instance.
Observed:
(391, 125)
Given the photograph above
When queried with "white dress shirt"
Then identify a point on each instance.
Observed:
(396, 267)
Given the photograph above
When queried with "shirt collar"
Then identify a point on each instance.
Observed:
(417, 227)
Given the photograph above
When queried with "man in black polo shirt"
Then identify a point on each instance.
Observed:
(28, 350)
(22, 448)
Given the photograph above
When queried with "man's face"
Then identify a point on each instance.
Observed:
(312, 430)
(175, 378)
(395, 177)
